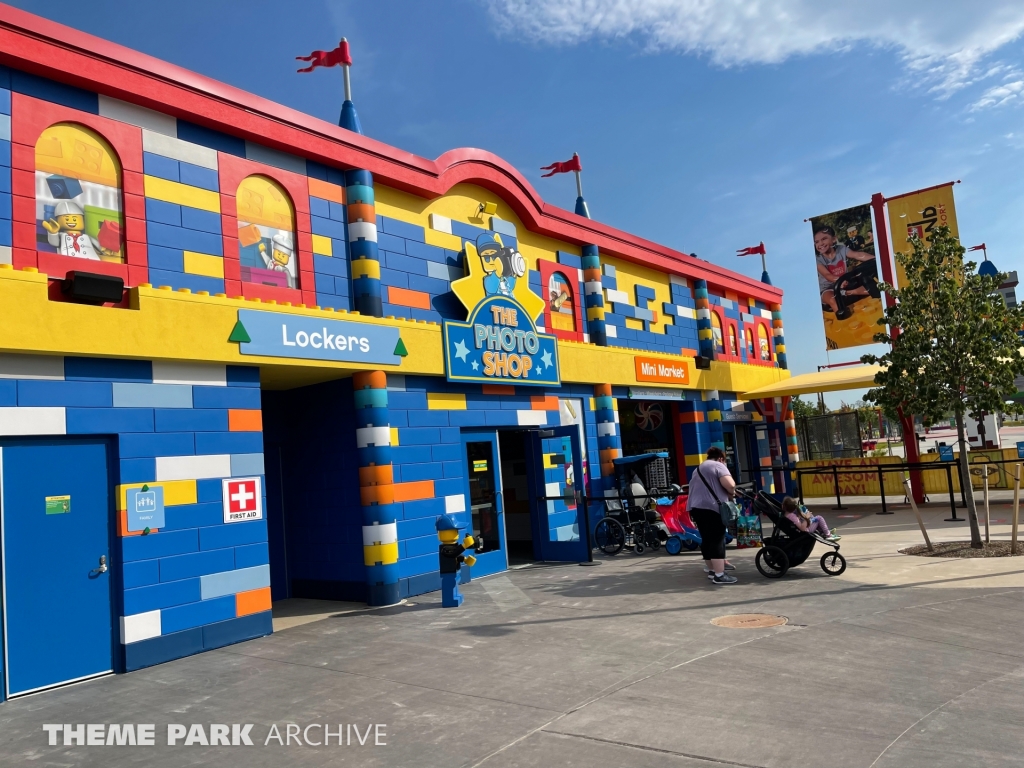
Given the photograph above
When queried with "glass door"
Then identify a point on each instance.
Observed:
(559, 531)
(483, 491)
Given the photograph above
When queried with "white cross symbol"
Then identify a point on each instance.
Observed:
(242, 496)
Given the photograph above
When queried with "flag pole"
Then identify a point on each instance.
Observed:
(581, 204)
(348, 79)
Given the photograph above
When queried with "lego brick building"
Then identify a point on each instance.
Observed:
(315, 344)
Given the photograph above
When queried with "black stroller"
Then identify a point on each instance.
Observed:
(787, 545)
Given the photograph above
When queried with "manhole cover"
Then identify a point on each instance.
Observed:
(749, 621)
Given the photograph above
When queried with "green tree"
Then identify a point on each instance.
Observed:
(802, 409)
(954, 345)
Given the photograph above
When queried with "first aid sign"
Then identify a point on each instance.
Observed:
(243, 499)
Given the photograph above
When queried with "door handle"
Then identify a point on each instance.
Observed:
(102, 566)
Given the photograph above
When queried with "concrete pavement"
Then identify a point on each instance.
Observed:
(900, 662)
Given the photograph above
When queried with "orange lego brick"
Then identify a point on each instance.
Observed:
(370, 380)
(544, 402)
(249, 235)
(403, 297)
(422, 489)
(326, 191)
(245, 420)
(383, 494)
(382, 474)
(253, 601)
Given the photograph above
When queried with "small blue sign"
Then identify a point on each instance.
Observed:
(145, 508)
(945, 453)
(277, 334)
(1020, 450)
(500, 345)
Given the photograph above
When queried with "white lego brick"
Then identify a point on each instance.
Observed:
(552, 489)
(5, 127)
(454, 503)
(203, 374)
(503, 227)
(615, 408)
(367, 436)
(132, 114)
(362, 230)
(678, 280)
(766, 314)
(396, 382)
(193, 467)
(579, 274)
(440, 223)
(727, 303)
(608, 269)
(276, 158)
(611, 332)
(686, 312)
(619, 297)
(176, 149)
(532, 418)
(6, 254)
(140, 626)
(32, 421)
(586, 338)
(32, 367)
(386, 533)
(594, 286)
(606, 429)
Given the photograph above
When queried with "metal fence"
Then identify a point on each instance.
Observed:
(832, 436)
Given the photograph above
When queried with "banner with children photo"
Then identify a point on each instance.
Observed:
(844, 257)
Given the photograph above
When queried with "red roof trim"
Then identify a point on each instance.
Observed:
(51, 50)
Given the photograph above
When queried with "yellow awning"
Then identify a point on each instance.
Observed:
(834, 380)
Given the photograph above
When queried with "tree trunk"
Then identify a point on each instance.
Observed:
(965, 483)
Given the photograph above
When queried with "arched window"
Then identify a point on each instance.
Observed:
(750, 343)
(762, 339)
(733, 347)
(561, 305)
(266, 233)
(716, 333)
(78, 195)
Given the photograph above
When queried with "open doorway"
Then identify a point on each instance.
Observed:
(515, 482)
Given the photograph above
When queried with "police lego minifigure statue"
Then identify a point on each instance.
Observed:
(451, 558)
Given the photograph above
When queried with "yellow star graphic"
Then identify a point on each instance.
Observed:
(470, 289)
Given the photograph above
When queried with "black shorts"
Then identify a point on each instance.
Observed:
(712, 533)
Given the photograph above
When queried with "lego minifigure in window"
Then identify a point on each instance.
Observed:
(66, 232)
(281, 257)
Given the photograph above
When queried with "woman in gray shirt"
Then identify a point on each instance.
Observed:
(710, 484)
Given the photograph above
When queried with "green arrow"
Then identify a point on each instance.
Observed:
(239, 334)
(144, 488)
(400, 349)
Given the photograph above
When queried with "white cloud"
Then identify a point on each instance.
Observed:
(1000, 95)
(942, 42)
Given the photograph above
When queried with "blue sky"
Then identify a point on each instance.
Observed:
(704, 129)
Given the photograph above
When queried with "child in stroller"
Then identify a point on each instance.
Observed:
(801, 517)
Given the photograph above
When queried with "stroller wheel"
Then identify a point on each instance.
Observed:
(772, 562)
(609, 536)
(833, 563)
(673, 545)
(691, 546)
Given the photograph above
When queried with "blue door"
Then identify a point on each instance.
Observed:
(55, 511)
(483, 491)
(559, 531)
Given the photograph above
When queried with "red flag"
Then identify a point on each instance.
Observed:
(566, 167)
(978, 248)
(339, 55)
(754, 250)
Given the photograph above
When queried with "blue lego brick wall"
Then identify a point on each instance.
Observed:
(430, 449)
(183, 578)
(409, 263)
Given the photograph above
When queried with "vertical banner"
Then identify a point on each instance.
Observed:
(918, 213)
(847, 270)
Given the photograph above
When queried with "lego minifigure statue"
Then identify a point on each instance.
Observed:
(451, 558)
(66, 232)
